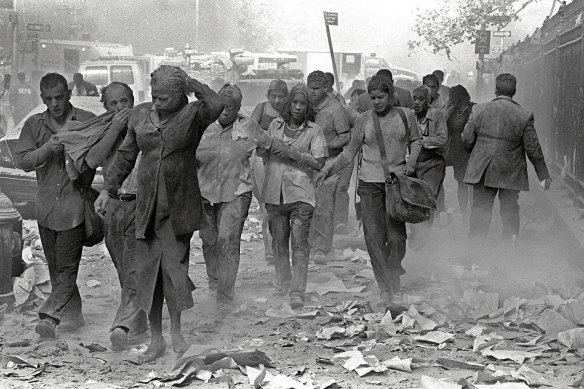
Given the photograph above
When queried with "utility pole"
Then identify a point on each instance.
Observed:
(332, 19)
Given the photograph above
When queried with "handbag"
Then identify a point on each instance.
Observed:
(94, 231)
(407, 199)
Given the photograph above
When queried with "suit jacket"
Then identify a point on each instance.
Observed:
(502, 133)
(168, 151)
(401, 98)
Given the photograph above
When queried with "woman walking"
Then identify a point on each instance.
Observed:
(289, 192)
(385, 238)
(168, 205)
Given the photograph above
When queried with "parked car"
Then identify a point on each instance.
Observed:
(21, 186)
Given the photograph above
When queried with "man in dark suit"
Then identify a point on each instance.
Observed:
(80, 87)
(501, 133)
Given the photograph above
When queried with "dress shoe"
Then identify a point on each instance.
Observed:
(71, 324)
(154, 351)
(46, 328)
(119, 339)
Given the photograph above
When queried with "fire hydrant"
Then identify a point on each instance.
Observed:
(10, 247)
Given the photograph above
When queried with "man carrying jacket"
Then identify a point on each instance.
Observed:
(501, 133)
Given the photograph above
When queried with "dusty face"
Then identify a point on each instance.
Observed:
(165, 99)
(57, 99)
(433, 88)
(381, 100)
(317, 91)
(277, 100)
(117, 98)
(298, 107)
(421, 102)
(230, 111)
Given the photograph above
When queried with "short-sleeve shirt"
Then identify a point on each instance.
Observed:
(285, 182)
(223, 156)
(332, 117)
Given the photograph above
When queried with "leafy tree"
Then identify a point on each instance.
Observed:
(453, 22)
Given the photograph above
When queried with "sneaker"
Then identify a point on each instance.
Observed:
(46, 328)
(71, 324)
(296, 301)
(119, 339)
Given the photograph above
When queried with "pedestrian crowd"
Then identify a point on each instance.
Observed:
(172, 167)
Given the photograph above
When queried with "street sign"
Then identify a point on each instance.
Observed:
(501, 34)
(38, 27)
(483, 42)
(13, 17)
(331, 18)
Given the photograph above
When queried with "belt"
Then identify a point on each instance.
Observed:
(124, 197)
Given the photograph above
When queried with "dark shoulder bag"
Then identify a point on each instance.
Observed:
(407, 199)
(94, 231)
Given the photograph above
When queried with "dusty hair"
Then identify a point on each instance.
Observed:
(310, 113)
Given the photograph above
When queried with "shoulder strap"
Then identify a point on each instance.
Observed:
(381, 145)
(403, 117)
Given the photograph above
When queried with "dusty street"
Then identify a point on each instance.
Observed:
(475, 315)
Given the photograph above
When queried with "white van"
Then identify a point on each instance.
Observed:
(134, 72)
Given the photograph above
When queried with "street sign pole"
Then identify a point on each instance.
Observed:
(331, 18)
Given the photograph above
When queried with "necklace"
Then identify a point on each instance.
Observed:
(294, 129)
(461, 112)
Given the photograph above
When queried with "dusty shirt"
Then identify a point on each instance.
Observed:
(333, 119)
(59, 205)
(223, 158)
(439, 102)
(397, 138)
(434, 133)
(286, 183)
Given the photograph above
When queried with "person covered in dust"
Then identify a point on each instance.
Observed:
(457, 114)
(436, 99)
(330, 90)
(333, 119)
(500, 133)
(169, 208)
(431, 166)
(60, 209)
(290, 194)
(443, 89)
(263, 114)
(385, 238)
(224, 170)
(119, 217)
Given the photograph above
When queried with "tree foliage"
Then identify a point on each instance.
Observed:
(453, 22)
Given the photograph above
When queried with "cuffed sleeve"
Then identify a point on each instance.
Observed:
(28, 156)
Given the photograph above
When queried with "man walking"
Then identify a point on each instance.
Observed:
(501, 132)
(333, 119)
(59, 205)
(120, 216)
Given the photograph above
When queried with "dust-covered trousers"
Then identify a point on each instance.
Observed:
(322, 226)
(289, 226)
(120, 240)
(385, 238)
(341, 210)
(221, 238)
(482, 209)
(63, 253)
